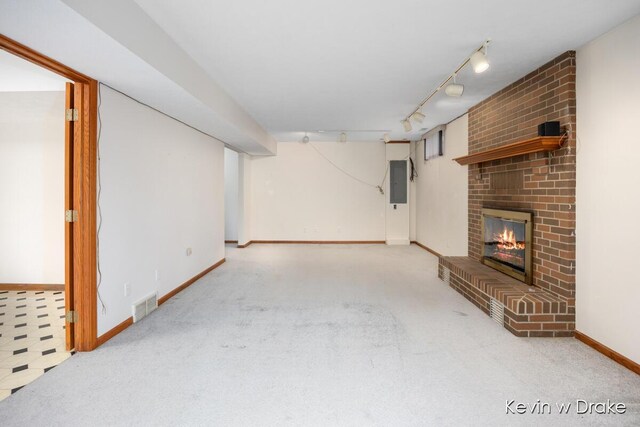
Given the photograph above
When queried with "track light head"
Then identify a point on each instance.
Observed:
(454, 89)
(343, 137)
(418, 116)
(305, 139)
(479, 62)
(386, 137)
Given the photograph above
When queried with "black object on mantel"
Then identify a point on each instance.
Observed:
(549, 129)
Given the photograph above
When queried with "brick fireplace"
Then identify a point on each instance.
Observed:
(542, 183)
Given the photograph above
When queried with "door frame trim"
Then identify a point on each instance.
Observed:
(84, 192)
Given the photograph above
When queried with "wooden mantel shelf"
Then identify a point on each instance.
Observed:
(533, 145)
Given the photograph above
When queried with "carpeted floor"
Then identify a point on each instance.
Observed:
(326, 335)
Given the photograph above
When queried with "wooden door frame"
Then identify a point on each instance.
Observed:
(84, 262)
(70, 336)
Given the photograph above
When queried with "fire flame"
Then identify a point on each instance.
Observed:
(507, 240)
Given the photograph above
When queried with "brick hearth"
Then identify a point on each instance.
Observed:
(528, 310)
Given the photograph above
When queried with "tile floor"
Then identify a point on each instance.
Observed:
(32, 337)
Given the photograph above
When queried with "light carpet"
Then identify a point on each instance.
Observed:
(327, 335)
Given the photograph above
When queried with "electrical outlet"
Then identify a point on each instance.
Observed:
(189, 251)
(127, 289)
(157, 275)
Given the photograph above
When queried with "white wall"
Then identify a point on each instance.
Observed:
(298, 195)
(230, 194)
(441, 193)
(413, 186)
(19, 75)
(32, 187)
(162, 192)
(245, 196)
(608, 178)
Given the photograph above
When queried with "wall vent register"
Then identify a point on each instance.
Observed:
(496, 311)
(144, 307)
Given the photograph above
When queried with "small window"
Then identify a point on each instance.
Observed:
(433, 145)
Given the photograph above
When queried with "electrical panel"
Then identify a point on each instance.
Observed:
(398, 181)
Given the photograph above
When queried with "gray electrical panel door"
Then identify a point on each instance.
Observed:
(398, 181)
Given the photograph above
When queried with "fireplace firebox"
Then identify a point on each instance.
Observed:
(507, 242)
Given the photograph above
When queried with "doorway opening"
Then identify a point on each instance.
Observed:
(32, 248)
(77, 213)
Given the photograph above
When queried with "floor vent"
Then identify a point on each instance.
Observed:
(497, 311)
(446, 275)
(142, 308)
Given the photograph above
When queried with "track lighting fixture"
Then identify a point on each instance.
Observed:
(341, 135)
(386, 137)
(454, 89)
(418, 116)
(479, 60)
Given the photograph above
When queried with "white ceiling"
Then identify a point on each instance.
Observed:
(299, 66)
(18, 75)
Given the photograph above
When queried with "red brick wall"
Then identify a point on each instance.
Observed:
(539, 183)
